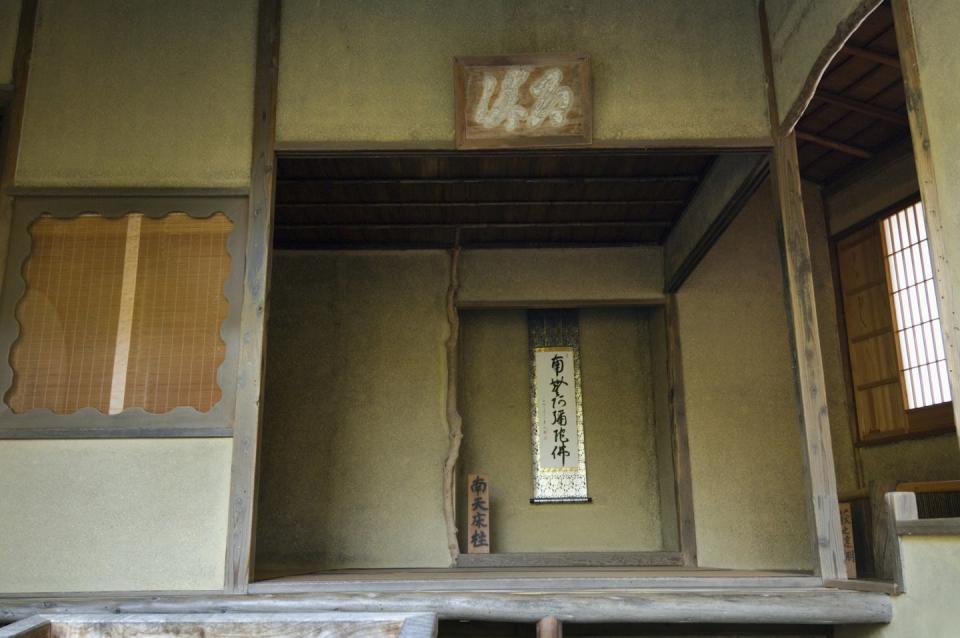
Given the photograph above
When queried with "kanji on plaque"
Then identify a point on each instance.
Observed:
(478, 514)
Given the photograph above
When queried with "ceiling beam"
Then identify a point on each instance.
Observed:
(873, 56)
(477, 226)
(494, 204)
(862, 107)
(834, 145)
(645, 179)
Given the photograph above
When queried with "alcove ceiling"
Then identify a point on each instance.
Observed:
(483, 198)
(858, 115)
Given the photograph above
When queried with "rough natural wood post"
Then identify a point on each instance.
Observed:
(550, 627)
(816, 444)
(817, 448)
(253, 316)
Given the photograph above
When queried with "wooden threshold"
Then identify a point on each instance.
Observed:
(743, 605)
(557, 579)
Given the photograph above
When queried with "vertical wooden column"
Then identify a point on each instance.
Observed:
(933, 212)
(816, 444)
(13, 118)
(253, 317)
(683, 480)
(550, 627)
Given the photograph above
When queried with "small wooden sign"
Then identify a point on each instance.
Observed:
(523, 101)
(849, 551)
(478, 514)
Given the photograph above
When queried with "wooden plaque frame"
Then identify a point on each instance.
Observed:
(576, 128)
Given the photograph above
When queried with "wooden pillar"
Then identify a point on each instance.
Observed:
(550, 627)
(934, 214)
(816, 445)
(253, 315)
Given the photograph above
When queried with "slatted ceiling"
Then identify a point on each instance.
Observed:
(417, 199)
(866, 81)
(79, 349)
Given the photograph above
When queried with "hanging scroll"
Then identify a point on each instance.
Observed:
(559, 461)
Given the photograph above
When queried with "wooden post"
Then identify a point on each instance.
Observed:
(253, 315)
(933, 212)
(816, 445)
(13, 118)
(550, 627)
(900, 506)
(683, 480)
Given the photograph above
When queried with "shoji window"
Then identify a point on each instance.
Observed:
(121, 321)
(892, 320)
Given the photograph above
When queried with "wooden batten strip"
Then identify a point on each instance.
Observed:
(128, 293)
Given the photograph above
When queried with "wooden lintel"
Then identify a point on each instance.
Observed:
(492, 204)
(873, 56)
(864, 108)
(571, 559)
(501, 181)
(724, 191)
(241, 520)
(834, 145)
(477, 226)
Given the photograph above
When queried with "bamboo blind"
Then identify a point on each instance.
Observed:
(122, 313)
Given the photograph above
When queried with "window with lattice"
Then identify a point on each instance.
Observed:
(896, 354)
(121, 313)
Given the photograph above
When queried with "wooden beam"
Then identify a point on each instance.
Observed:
(454, 420)
(481, 226)
(864, 108)
(571, 559)
(816, 446)
(941, 246)
(253, 318)
(880, 161)
(834, 145)
(323, 182)
(929, 527)
(13, 121)
(873, 56)
(682, 475)
(592, 203)
(724, 191)
(728, 606)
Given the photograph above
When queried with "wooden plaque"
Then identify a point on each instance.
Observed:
(523, 101)
(478, 514)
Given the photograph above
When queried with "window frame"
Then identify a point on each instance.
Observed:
(134, 422)
(931, 420)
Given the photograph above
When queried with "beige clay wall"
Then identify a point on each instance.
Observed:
(370, 73)
(111, 515)
(929, 606)
(799, 31)
(355, 430)
(619, 433)
(748, 484)
(140, 94)
(9, 21)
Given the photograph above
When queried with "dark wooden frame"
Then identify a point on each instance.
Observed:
(932, 420)
(460, 64)
(131, 422)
